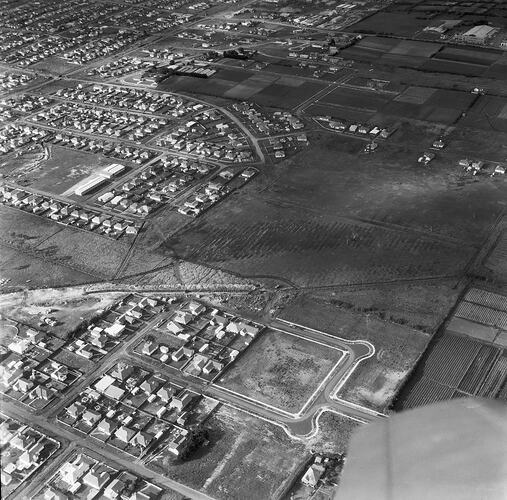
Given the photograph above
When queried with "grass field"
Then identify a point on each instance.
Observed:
(355, 98)
(25, 269)
(419, 306)
(25, 231)
(431, 105)
(497, 259)
(263, 88)
(64, 169)
(487, 113)
(331, 215)
(246, 458)
(84, 251)
(393, 23)
(376, 381)
(281, 370)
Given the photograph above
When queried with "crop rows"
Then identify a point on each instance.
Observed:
(268, 238)
(496, 379)
(478, 370)
(487, 299)
(426, 391)
(450, 359)
(481, 314)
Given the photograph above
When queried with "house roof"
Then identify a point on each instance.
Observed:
(104, 383)
(313, 474)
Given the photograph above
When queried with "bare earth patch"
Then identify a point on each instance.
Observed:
(281, 370)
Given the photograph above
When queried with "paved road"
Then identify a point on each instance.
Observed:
(300, 425)
(303, 423)
(94, 446)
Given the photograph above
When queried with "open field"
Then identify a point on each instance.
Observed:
(334, 433)
(25, 231)
(281, 370)
(393, 23)
(427, 57)
(246, 458)
(68, 306)
(488, 113)
(331, 215)
(375, 381)
(25, 269)
(362, 99)
(420, 306)
(318, 250)
(63, 169)
(432, 105)
(261, 88)
(84, 251)
(497, 259)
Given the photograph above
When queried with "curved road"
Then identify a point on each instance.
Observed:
(303, 423)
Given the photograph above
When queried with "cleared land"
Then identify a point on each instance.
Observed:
(263, 89)
(60, 171)
(377, 380)
(281, 370)
(246, 458)
(69, 307)
(331, 215)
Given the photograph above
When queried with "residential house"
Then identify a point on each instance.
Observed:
(142, 439)
(91, 417)
(115, 329)
(124, 433)
(165, 393)
(113, 489)
(114, 392)
(178, 443)
(122, 371)
(196, 308)
(106, 426)
(181, 401)
(96, 479)
(42, 392)
(75, 409)
(313, 474)
(182, 317)
(150, 385)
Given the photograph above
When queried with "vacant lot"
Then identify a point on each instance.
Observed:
(488, 113)
(25, 231)
(393, 23)
(27, 270)
(355, 98)
(420, 306)
(60, 171)
(431, 105)
(84, 251)
(334, 433)
(246, 458)
(331, 215)
(375, 381)
(264, 89)
(281, 370)
(69, 306)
